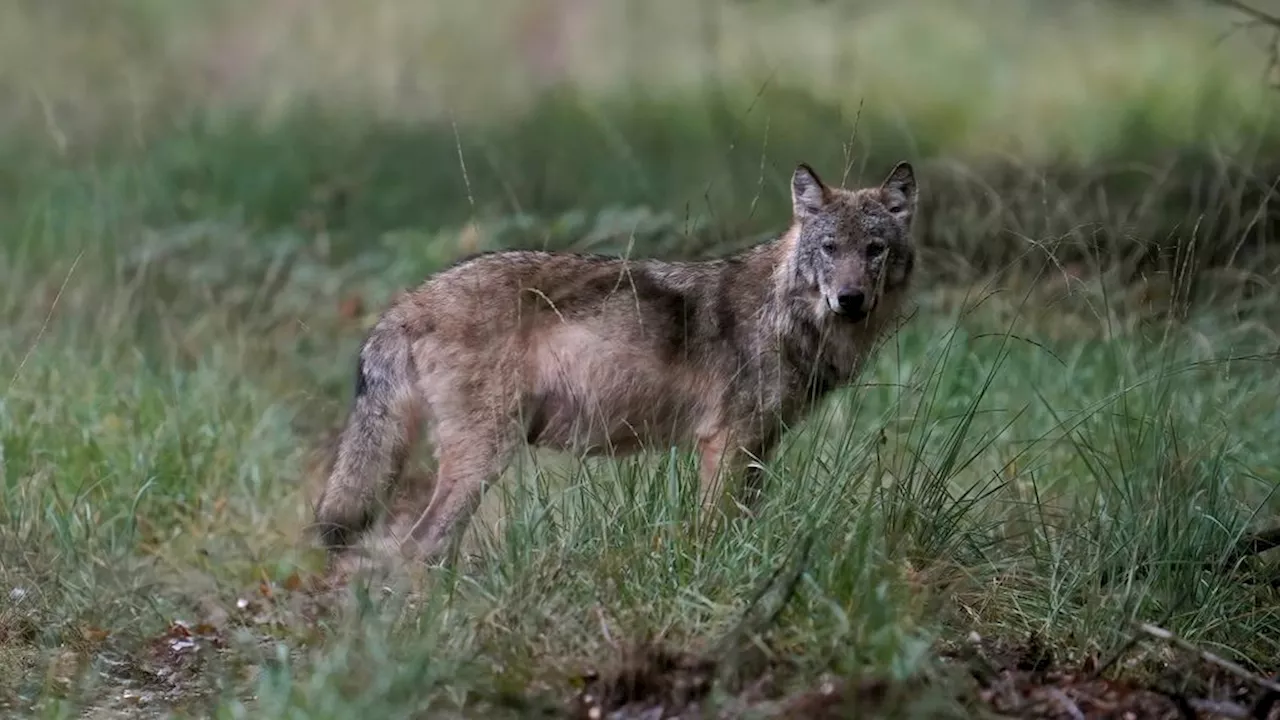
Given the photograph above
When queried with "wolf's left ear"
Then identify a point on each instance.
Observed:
(898, 192)
(808, 194)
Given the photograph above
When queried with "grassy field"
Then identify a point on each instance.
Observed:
(203, 206)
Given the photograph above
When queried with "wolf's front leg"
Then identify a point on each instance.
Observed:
(733, 466)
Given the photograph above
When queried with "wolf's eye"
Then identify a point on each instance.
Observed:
(829, 246)
(875, 249)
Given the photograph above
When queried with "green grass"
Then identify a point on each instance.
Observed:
(1005, 470)
(1078, 418)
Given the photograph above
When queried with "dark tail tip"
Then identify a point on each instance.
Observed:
(337, 537)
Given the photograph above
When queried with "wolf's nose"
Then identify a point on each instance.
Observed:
(851, 302)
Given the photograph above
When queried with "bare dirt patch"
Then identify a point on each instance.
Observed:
(1004, 680)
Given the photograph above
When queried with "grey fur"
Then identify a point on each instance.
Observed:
(597, 354)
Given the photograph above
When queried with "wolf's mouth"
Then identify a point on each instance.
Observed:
(854, 317)
(849, 314)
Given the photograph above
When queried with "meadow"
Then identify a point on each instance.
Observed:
(203, 206)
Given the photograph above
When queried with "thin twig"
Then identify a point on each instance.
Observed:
(462, 163)
(1261, 16)
(1259, 542)
(797, 562)
(1129, 645)
(1067, 704)
(1233, 668)
(45, 325)
(604, 628)
(1224, 708)
(1252, 544)
(1258, 18)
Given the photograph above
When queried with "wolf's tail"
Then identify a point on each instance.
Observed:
(376, 440)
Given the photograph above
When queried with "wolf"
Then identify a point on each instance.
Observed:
(597, 354)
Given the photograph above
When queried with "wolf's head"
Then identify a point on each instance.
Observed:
(853, 248)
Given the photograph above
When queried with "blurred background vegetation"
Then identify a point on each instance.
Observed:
(1089, 124)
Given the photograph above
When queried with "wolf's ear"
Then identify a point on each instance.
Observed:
(898, 192)
(808, 194)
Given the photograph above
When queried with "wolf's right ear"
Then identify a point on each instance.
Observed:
(808, 194)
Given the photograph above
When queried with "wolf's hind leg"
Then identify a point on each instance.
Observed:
(468, 463)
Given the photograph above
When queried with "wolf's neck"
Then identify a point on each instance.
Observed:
(783, 305)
